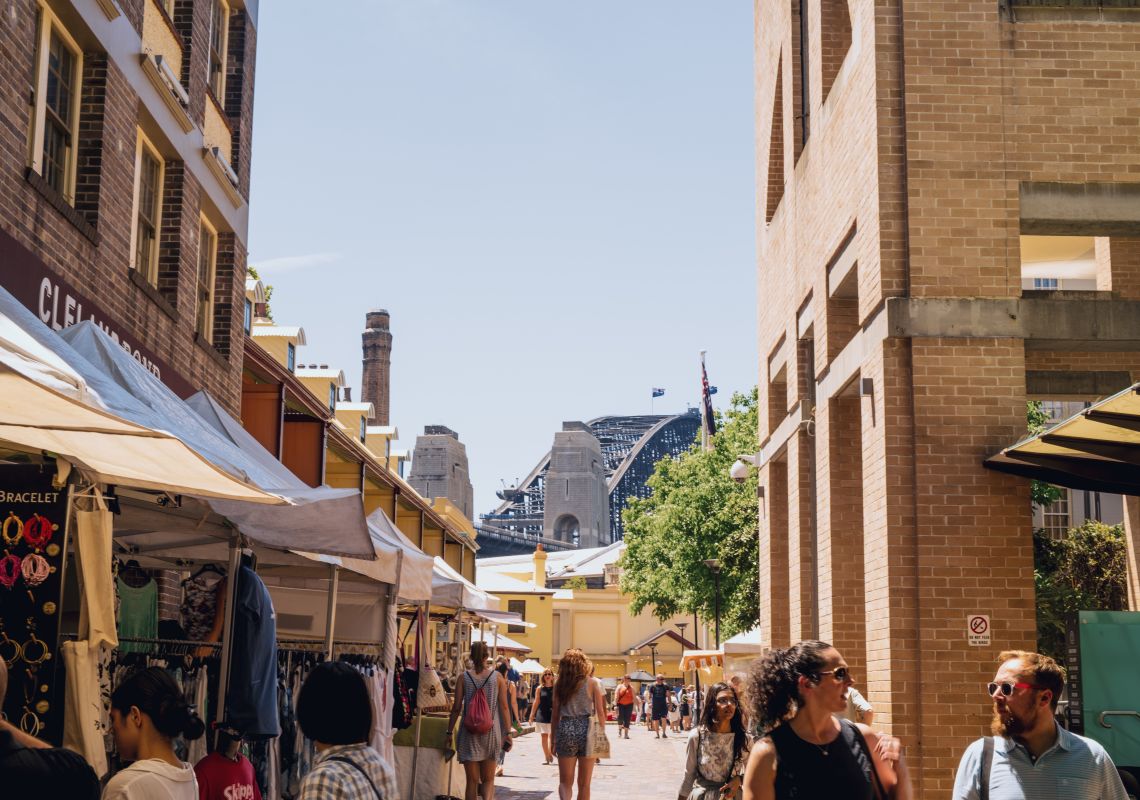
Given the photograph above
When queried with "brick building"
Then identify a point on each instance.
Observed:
(949, 225)
(124, 175)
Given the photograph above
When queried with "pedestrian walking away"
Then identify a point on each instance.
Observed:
(502, 667)
(481, 700)
(577, 697)
(33, 768)
(717, 749)
(1030, 756)
(623, 699)
(148, 711)
(335, 712)
(540, 713)
(804, 750)
(659, 708)
(686, 708)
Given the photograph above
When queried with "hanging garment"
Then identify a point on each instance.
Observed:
(200, 605)
(198, 697)
(83, 709)
(138, 614)
(251, 702)
(93, 561)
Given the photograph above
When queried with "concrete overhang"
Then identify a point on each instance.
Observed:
(1080, 209)
(1063, 321)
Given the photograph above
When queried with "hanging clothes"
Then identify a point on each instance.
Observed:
(251, 702)
(200, 604)
(138, 614)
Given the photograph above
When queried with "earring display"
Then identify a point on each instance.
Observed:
(33, 546)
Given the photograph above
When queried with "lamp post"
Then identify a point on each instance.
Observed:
(653, 655)
(714, 567)
(696, 674)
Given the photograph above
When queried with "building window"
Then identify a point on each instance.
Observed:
(332, 397)
(517, 607)
(291, 357)
(207, 272)
(1046, 283)
(54, 136)
(1055, 517)
(363, 430)
(219, 35)
(247, 318)
(148, 209)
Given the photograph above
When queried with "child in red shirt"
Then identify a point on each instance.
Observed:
(226, 774)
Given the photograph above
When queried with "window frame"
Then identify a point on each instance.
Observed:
(291, 356)
(143, 144)
(247, 316)
(48, 23)
(205, 228)
(223, 54)
(517, 628)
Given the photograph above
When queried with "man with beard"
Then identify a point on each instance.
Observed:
(1030, 756)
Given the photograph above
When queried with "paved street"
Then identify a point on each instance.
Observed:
(641, 768)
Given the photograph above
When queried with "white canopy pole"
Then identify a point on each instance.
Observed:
(420, 650)
(330, 616)
(228, 626)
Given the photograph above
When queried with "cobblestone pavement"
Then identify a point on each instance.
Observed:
(642, 768)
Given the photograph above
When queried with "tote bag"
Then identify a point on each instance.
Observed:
(597, 743)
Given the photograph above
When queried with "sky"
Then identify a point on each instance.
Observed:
(554, 201)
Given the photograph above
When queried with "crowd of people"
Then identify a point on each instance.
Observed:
(787, 732)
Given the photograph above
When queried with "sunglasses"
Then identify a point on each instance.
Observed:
(843, 674)
(1007, 687)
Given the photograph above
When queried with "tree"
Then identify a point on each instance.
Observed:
(577, 582)
(1082, 571)
(697, 512)
(1036, 421)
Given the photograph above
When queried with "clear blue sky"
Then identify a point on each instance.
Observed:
(555, 201)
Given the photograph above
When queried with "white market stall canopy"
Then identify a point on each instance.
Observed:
(415, 569)
(497, 640)
(744, 643)
(451, 590)
(48, 406)
(701, 659)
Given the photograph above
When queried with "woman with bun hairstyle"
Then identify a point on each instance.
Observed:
(147, 711)
(805, 751)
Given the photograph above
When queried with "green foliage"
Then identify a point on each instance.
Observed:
(252, 272)
(1084, 571)
(577, 582)
(697, 512)
(1036, 420)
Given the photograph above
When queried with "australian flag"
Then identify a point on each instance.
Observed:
(706, 400)
(658, 392)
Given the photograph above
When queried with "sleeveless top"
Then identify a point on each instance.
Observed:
(841, 770)
(580, 704)
(545, 704)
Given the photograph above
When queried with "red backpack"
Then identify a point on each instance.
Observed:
(477, 715)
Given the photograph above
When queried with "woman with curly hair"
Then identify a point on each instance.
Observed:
(805, 750)
(717, 749)
(576, 697)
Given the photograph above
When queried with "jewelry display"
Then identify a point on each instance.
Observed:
(28, 647)
(12, 518)
(30, 722)
(35, 569)
(10, 649)
(38, 531)
(9, 570)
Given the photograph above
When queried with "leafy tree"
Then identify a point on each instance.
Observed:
(577, 582)
(1082, 571)
(697, 512)
(252, 272)
(1041, 493)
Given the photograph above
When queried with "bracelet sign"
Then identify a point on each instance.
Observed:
(33, 517)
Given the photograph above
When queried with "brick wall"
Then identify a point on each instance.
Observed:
(89, 246)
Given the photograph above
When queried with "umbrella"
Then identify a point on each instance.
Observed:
(641, 675)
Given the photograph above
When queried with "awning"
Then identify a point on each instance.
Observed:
(701, 659)
(504, 618)
(415, 574)
(531, 667)
(498, 641)
(45, 407)
(1097, 449)
(744, 643)
(449, 589)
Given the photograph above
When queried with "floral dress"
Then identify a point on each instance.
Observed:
(709, 763)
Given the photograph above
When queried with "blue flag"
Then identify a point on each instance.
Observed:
(712, 390)
(658, 392)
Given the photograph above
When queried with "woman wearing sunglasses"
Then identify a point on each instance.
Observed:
(717, 749)
(805, 750)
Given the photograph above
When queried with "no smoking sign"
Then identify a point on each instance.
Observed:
(978, 630)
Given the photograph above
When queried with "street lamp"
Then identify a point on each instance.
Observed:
(696, 674)
(714, 567)
(653, 655)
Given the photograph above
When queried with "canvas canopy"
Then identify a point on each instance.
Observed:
(1097, 449)
(701, 659)
(497, 640)
(744, 643)
(414, 577)
(451, 590)
(46, 405)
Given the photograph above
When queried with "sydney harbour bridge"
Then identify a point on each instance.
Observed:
(630, 448)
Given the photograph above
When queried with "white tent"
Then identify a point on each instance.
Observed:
(744, 643)
(452, 590)
(415, 570)
(45, 407)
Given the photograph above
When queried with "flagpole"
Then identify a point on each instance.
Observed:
(704, 422)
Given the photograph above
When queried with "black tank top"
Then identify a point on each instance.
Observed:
(545, 700)
(837, 771)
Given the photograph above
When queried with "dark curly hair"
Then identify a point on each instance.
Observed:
(708, 717)
(773, 682)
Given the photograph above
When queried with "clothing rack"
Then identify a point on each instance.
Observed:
(187, 644)
(347, 646)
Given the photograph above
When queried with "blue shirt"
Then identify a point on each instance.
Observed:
(1074, 768)
(251, 704)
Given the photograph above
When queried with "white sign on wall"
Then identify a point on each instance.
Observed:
(978, 630)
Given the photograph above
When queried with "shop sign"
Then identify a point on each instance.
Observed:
(59, 305)
(33, 521)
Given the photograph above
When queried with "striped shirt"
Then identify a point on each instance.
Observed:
(1074, 768)
(368, 777)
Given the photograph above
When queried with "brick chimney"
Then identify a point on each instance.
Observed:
(377, 345)
(539, 566)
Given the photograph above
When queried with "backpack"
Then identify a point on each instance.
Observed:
(477, 714)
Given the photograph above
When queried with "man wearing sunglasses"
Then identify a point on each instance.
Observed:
(1030, 756)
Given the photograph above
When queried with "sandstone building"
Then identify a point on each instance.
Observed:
(949, 225)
